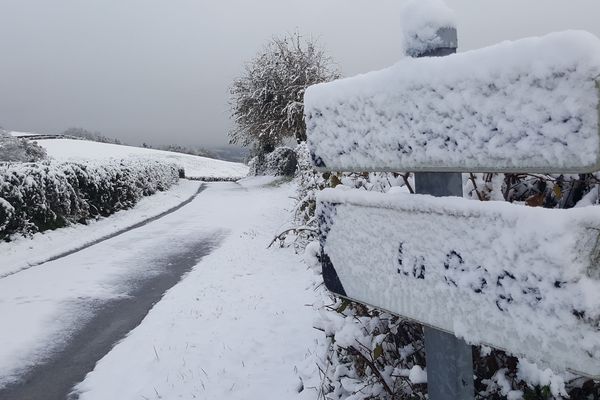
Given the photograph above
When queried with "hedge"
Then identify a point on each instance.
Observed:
(35, 197)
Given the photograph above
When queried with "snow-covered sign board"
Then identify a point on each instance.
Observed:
(524, 106)
(522, 279)
(517, 278)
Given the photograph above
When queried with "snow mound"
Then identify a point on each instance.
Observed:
(517, 278)
(529, 105)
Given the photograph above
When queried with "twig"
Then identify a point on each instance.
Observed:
(353, 350)
(472, 177)
(295, 230)
(406, 182)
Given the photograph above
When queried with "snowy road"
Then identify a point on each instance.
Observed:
(60, 318)
(103, 324)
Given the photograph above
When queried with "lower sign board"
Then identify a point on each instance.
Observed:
(522, 279)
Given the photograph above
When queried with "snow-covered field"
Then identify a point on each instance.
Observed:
(195, 166)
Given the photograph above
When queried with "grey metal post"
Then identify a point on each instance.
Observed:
(449, 359)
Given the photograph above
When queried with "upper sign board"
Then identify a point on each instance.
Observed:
(522, 279)
(524, 106)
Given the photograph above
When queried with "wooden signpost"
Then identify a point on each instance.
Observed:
(517, 278)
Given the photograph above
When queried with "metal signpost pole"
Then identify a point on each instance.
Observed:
(449, 359)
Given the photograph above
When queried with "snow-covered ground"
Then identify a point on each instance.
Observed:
(195, 166)
(23, 252)
(235, 327)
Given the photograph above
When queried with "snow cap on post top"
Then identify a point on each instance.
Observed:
(429, 28)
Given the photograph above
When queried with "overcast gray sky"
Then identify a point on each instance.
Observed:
(159, 70)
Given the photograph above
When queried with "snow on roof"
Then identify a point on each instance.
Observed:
(527, 106)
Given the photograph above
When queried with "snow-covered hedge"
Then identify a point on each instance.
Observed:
(39, 196)
(529, 105)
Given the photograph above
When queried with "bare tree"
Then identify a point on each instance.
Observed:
(267, 101)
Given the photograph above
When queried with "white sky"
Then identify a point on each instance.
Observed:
(159, 70)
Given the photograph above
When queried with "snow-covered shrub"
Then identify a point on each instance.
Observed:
(14, 149)
(7, 212)
(280, 162)
(369, 354)
(47, 195)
